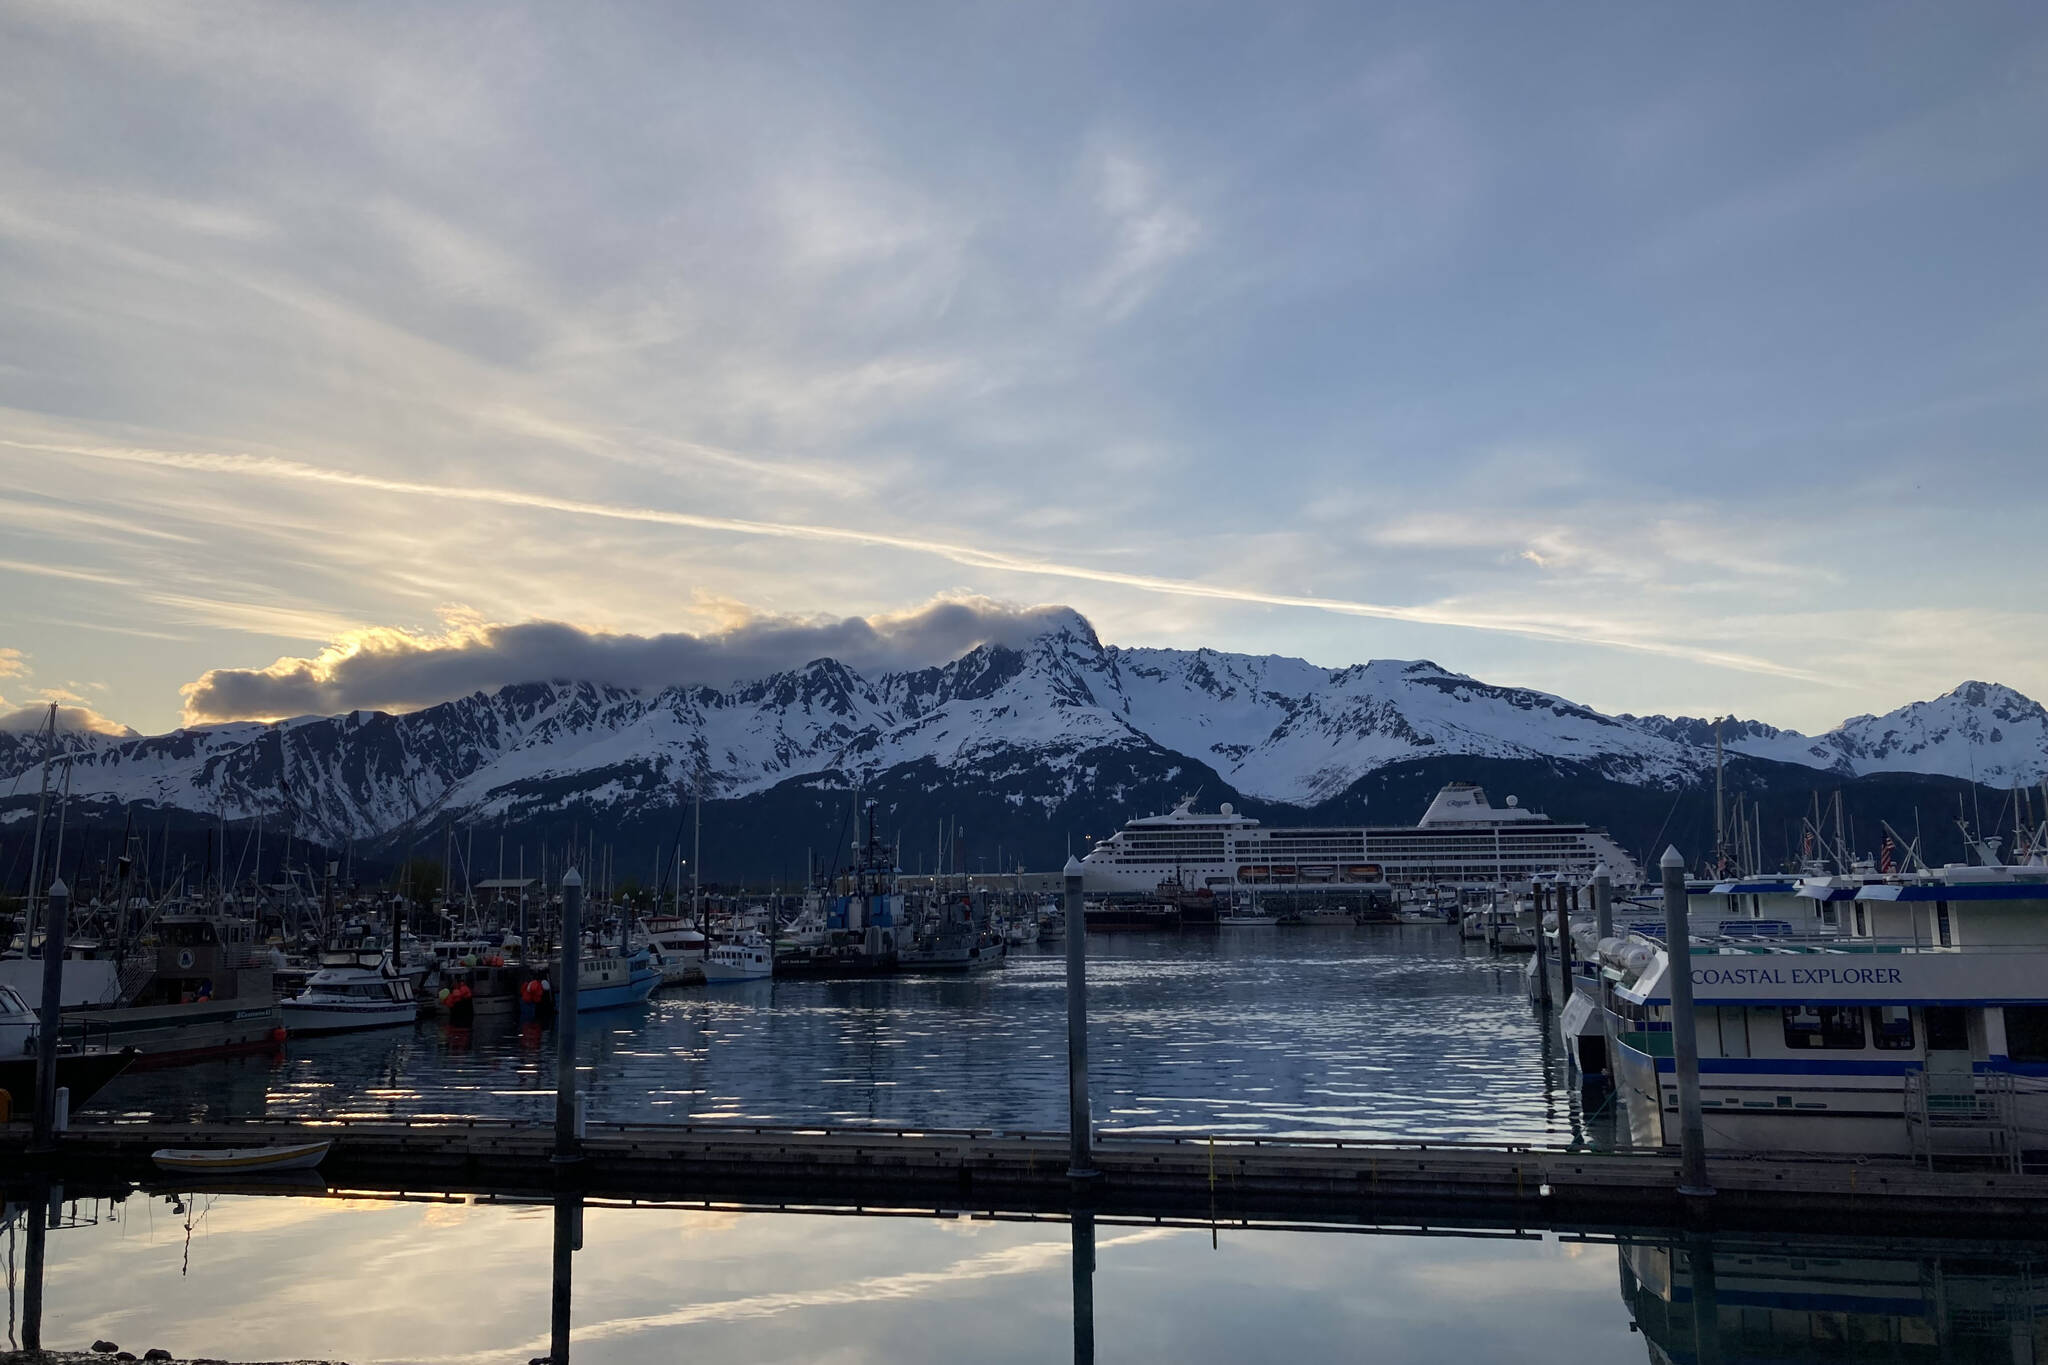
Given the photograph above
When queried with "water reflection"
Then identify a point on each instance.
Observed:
(239, 1276)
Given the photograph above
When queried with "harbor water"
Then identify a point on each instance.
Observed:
(459, 1282)
(1385, 1031)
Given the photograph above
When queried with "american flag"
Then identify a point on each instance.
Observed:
(1884, 855)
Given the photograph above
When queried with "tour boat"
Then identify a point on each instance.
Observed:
(747, 960)
(351, 991)
(1912, 1018)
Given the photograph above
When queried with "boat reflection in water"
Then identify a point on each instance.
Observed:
(1738, 1299)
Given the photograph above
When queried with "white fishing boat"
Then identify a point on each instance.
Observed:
(1245, 917)
(301, 1156)
(351, 991)
(1022, 930)
(748, 959)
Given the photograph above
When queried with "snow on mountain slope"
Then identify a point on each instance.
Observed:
(1287, 731)
(1980, 731)
(1053, 709)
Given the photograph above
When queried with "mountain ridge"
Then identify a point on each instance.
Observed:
(1041, 721)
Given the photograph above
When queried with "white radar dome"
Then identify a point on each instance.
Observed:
(1227, 809)
(1514, 801)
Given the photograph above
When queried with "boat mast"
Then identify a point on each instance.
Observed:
(35, 867)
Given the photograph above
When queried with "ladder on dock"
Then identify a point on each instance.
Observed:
(1962, 1114)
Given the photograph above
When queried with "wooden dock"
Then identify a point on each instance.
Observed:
(1165, 1175)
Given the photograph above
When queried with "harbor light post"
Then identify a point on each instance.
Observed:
(1081, 1164)
(568, 1147)
(56, 913)
(1685, 1047)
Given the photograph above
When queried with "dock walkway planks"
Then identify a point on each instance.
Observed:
(1145, 1174)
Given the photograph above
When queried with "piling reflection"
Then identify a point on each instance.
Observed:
(568, 1241)
(1084, 1287)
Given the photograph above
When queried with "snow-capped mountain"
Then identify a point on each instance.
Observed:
(1034, 725)
(1981, 732)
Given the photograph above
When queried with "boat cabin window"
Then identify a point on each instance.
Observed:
(1941, 924)
(1827, 1026)
(1948, 1028)
(1734, 1022)
(1862, 922)
(2026, 1033)
(1891, 1027)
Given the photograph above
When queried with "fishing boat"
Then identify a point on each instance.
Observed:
(193, 985)
(83, 1071)
(746, 960)
(350, 992)
(300, 1156)
(606, 980)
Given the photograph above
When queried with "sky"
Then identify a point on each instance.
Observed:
(1671, 358)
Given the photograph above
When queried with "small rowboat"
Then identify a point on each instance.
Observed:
(301, 1156)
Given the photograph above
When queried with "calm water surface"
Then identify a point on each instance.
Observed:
(1385, 1031)
(282, 1278)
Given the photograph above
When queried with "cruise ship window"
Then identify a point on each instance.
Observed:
(1823, 1026)
(1891, 1027)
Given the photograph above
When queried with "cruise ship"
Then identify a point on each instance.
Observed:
(1462, 840)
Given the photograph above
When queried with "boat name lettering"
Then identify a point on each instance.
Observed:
(1796, 976)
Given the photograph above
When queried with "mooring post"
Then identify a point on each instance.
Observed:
(567, 1147)
(1542, 948)
(1567, 902)
(1685, 1047)
(56, 915)
(1081, 1163)
(1603, 902)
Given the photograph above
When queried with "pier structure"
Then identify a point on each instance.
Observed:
(1225, 1176)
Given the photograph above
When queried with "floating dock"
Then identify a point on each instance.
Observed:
(1223, 1177)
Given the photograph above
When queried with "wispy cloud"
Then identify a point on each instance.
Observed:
(1582, 630)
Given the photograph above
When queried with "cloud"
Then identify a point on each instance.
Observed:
(1585, 628)
(78, 720)
(399, 670)
(13, 663)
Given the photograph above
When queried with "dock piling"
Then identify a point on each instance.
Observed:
(1542, 948)
(1081, 1164)
(1567, 903)
(56, 915)
(1685, 1047)
(567, 1146)
(1603, 902)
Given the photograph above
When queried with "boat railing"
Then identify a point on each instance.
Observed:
(1739, 945)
